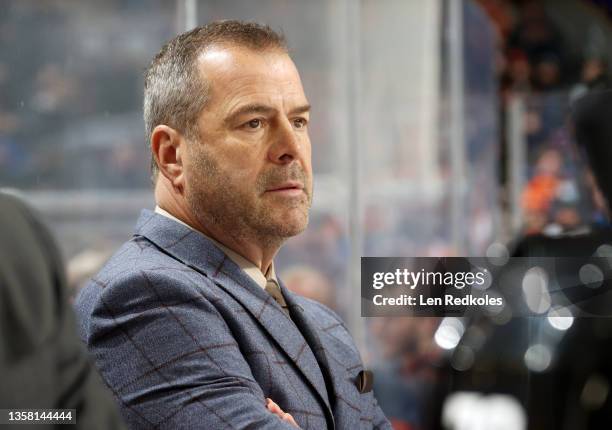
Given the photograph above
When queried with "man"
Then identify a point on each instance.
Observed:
(187, 322)
(42, 362)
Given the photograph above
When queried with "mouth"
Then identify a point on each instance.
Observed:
(289, 188)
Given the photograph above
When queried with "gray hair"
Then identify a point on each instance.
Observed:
(175, 92)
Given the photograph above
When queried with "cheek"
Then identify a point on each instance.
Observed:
(307, 156)
(239, 165)
(243, 173)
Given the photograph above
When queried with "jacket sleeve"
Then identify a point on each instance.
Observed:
(168, 355)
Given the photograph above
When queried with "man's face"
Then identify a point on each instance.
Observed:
(250, 171)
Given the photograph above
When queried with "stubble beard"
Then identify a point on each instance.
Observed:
(236, 210)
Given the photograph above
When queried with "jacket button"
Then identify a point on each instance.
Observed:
(365, 381)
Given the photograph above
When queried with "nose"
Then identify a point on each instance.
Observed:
(288, 144)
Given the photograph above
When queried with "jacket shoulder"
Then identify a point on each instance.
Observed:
(319, 311)
(137, 277)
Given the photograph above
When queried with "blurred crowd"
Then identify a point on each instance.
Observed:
(69, 112)
(548, 67)
(536, 64)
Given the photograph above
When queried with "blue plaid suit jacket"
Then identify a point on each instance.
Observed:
(185, 339)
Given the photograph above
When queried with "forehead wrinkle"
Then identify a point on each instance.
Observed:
(238, 101)
(250, 109)
(261, 84)
(275, 99)
(228, 62)
(232, 85)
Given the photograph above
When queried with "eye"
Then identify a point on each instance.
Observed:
(254, 124)
(300, 122)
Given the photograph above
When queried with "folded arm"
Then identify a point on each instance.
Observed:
(169, 356)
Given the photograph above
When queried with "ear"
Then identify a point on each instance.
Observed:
(168, 146)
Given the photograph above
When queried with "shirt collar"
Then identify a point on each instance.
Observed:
(250, 268)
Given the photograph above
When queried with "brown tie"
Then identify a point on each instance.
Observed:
(274, 290)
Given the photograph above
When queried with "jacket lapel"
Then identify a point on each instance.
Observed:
(282, 329)
(200, 254)
(329, 353)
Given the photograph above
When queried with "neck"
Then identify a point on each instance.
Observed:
(258, 250)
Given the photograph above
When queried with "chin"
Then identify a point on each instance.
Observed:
(292, 225)
(296, 228)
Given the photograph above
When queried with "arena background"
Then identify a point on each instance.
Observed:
(439, 128)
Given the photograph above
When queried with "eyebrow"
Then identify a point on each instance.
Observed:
(263, 109)
(300, 109)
